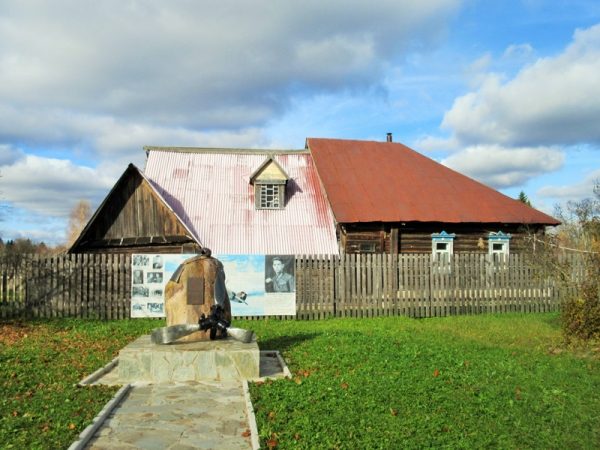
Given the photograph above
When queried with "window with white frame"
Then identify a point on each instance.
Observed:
(499, 244)
(442, 245)
(269, 196)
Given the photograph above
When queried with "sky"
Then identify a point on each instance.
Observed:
(506, 92)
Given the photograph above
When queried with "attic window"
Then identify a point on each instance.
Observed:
(269, 181)
(269, 196)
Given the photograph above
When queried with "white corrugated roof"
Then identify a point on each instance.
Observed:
(210, 191)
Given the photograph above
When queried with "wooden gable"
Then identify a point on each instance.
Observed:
(269, 171)
(134, 218)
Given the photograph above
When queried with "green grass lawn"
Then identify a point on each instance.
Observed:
(40, 361)
(457, 382)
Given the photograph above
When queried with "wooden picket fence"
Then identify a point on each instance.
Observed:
(85, 286)
(99, 286)
(419, 286)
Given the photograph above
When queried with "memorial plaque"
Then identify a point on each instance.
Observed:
(195, 291)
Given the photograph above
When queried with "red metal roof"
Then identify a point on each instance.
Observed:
(210, 190)
(369, 181)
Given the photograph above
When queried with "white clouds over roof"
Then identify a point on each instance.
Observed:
(553, 101)
(202, 63)
(511, 130)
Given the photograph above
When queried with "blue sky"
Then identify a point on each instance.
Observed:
(506, 92)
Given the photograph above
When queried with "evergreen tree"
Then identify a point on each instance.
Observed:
(523, 198)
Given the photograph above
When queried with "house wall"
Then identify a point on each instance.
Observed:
(416, 237)
(150, 248)
(132, 218)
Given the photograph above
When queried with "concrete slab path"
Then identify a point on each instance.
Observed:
(181, 416)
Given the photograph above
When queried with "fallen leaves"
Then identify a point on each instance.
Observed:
(436, 373)
(518, 393)
(272, 441)
(13, 333)
(246, 433)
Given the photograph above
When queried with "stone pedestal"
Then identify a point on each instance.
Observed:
(218, 360)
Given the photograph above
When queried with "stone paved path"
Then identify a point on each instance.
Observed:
(179, 416)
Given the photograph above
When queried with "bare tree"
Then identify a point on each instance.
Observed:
(78, 218)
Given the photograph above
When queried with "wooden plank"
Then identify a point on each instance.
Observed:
(386, 292)
(378, 286)
(300, 288)
(302, 308)
(47, 275)
(367, 287)
(102, 288)
(355, 280)
(59, 284)
(87, 286)
(358, 288)
(331, 260)
(407, 286)
(312, 290)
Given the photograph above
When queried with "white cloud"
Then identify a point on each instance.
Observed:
(518, 52)
(52, 186)
(9, 155)
(104, 79)
(200, 64)
(553, 101)
(437, 144)
(577, 191)
(505, 167)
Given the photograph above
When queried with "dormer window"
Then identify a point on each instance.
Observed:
(442, 245)
(269, 182)
(269, 195)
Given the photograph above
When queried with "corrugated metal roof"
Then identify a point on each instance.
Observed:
(210, 190)
(369, 181)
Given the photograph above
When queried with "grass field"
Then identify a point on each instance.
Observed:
(40, 361)
(458, 382)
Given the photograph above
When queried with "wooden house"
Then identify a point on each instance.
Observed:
(232, 201)
(388, 198)
(334, 196)
(135, 218)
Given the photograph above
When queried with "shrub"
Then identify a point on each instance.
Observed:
(581, 313)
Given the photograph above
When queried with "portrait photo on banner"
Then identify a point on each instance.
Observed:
(279, 273)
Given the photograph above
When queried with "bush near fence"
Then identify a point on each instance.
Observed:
(99, 286)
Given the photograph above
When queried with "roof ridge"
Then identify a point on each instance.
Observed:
(250, 151)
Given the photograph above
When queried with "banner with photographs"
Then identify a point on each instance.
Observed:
(268, 282)
(149, 276)
(258, 285)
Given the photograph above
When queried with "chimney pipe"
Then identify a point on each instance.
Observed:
(389, 137)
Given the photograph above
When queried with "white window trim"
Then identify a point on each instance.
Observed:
(442, 238)
(499, 239)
